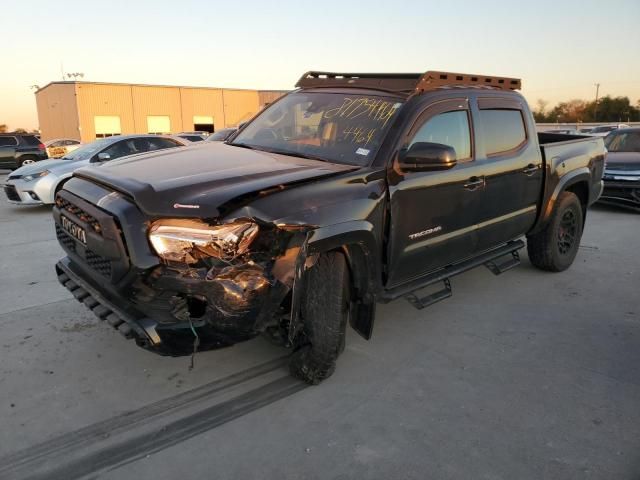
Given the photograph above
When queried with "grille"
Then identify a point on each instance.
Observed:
(12, 193)
(97, 262)
(67, 206)
(66, 241)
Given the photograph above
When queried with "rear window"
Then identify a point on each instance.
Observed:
(30, 140)
(503, 130)
(8, 141)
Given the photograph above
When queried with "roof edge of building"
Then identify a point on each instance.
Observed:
(75, 82)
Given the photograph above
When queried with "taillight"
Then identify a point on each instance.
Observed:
(41, 146)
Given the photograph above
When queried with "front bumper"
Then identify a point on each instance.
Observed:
(622, 189)
(157, 305)
(35, 192)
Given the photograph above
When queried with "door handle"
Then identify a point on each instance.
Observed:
(530, 169)
(474, 183)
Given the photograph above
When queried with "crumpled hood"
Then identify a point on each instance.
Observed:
(53, 165)
(623, 161)
(202, 180)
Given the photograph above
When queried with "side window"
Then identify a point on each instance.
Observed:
(503, 130)
(120, 149)
(161, 143)
(8, 141)
(449, 128)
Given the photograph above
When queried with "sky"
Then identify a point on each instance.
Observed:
(560, 49)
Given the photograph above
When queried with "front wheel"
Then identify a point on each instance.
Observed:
(555, 247)
(324, 311)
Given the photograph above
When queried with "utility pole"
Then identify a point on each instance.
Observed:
(595, 110)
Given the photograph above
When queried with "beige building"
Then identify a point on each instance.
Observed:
(90, 110)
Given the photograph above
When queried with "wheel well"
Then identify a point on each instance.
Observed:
(59, 187)
(581, 190)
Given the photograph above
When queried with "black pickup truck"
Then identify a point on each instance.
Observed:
(352, 189)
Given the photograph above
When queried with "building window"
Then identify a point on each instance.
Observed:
(158, 124)
(203, 124)
(107, 126)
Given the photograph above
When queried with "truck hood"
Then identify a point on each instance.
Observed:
(623, 161)
(205, 180)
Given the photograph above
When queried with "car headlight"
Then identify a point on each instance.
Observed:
(191, 240)
(33, 176)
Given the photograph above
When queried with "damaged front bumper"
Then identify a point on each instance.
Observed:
(164, 305)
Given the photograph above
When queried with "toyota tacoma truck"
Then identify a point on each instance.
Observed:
(352, 189)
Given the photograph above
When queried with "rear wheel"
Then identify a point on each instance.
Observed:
(27, 161)
(324, 311)
(555, 248)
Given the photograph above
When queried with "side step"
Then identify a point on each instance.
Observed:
(420, 303)
(490, 259)
(500, 267)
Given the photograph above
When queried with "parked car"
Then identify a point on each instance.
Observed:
(36, 184)
(622, 171)
(221, 135)
(352, 189)
(604, 130)
(59, 147)
(564, 131)
(192, 136)
(18, 149)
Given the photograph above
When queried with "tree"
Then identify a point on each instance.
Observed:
(3, 128)
(539, 113)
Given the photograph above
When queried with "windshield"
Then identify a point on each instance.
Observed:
(87, 151)
(335, 127)
(220, 135)
(623, 142)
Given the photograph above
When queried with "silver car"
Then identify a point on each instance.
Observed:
(38, 183)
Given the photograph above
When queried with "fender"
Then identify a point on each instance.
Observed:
(356, 239)
(582, 174)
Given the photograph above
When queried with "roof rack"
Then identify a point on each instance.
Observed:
(407, 83)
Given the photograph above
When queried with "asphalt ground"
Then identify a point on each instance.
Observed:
(526, 375)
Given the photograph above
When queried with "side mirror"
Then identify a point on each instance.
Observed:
(102, 157)
(427, 156)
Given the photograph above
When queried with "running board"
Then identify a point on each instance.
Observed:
(420, 303)
(498, 268)
(444, 274)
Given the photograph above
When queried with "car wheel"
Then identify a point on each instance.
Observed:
(556, 246)
(27, 161)
(324, 311)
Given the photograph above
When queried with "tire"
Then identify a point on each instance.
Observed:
(324, 311)
(555, 247)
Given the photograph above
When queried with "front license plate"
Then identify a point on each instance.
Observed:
(76, 231)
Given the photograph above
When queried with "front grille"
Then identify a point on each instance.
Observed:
(12, 193)
(97, 262)
(76, 211)
(66, 241)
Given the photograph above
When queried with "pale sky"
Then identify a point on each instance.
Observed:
(560, 49)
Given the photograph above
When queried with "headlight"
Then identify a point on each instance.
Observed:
(33, 176)
(190, 240)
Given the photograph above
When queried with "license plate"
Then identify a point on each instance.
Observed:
(76, 231)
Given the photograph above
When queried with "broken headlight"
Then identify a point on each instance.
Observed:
(190, 240)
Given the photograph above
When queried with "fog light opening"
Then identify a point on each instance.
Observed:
(33, 195)
(197, 307)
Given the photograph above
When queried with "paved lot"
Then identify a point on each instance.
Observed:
(525, 376)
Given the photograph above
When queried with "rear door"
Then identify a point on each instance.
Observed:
(433, 214)
(512, 168)
(8, 145)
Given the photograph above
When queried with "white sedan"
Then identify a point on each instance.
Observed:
(38, 183)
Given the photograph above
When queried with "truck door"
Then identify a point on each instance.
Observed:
(507, 148)
(433, 214)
